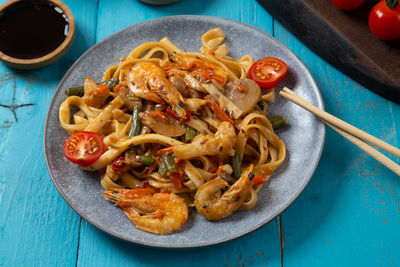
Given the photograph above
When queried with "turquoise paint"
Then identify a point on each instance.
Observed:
(37, 227)
(349, 214)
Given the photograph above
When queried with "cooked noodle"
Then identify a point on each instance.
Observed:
(205, 157)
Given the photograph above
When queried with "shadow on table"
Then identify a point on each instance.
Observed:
(259, 248)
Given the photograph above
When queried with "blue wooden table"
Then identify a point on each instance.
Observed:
(348, 215)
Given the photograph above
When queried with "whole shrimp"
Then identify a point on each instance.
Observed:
(213, 206)
(149, 81)
(157, 213)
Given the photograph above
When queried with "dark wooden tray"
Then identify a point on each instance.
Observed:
(343, 39)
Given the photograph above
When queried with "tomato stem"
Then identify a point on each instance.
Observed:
(392, 4)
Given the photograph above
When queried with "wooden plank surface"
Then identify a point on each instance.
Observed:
(37, 227)
(349, 214)
(259, 248)
(345, 40)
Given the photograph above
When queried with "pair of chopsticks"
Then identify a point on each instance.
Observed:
(351, 133)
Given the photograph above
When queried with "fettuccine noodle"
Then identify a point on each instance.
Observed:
(198, 109)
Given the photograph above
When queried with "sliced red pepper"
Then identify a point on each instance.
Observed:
(176, 179)
(119, 165)
(159, 115)
(164, 150)
(222, 115)
(172, 113)
(258, 179)
(188, 116)
(118, 87)
(218, 78)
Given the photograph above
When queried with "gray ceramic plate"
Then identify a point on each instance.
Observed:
(304, 135)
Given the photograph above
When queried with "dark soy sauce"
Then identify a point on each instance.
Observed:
(32, 29)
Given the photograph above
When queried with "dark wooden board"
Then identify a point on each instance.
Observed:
(343, 38)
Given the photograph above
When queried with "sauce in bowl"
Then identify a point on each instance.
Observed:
(34, 33)
(32, 29)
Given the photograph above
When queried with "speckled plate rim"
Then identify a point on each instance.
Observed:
(319, 103)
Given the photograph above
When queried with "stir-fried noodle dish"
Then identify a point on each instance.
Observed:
(168, 130)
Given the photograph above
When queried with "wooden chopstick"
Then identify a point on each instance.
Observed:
(368, 149)
(289, 94)
(351, 133)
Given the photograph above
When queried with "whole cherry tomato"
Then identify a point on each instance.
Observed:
(268, 72)
(84, 148)
(384, 20)
(347, 4)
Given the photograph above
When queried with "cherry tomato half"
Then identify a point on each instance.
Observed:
(268, 72)
(384, 20)
(347, 4)
(83, 148)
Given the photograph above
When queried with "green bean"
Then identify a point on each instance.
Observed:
(111, 83)
(237, 165)
(168, 159)
(146, 160)
(277, 121)
(136, 124)
(77, 90)
(162, 170)
(189, 134)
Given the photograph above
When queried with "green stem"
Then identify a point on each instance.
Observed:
(392, 4)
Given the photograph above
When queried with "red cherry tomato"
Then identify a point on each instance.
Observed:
(268, 72)
(347, 4)
(384, 20)
(83, 148)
